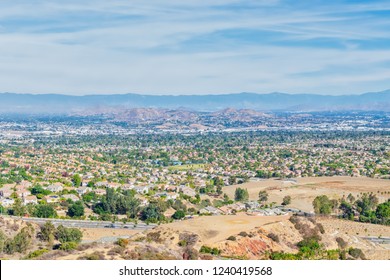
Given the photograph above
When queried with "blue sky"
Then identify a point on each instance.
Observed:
(194, 47)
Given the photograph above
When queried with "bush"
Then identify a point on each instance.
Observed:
(190, 254)
(48, 232)
(274, 237)
(232, 238)
(64, 234)
(243, 234)
(341, 243)
(356, 253)
(323, 205)
(321, 228)
(21, 242)
(154, 236)
(36, 254)
(286, 200)
(68, 246)
(122, 242)
(182, 243)
(209, 250)
(93, 256)
(117, 250)
(178, 215)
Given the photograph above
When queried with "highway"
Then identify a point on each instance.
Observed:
(87, 223)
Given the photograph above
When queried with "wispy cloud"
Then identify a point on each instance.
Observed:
(186, 47)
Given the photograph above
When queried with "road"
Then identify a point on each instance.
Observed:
(378, 240)
(88, 224)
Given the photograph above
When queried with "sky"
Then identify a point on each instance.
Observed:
(194, 47)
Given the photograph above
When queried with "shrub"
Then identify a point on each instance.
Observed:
(243, 234)
(36, 254)
(178, 215)
(189, 238)
(122, 242)
(190, 254)
(286, 200)
(182, 243)
(321, 228)
(341, 243)
(64, 234)
(117, 250)
(154, 236)
(93, 256)
(209, 250)
(356, 253)
(68, 246)
(274, 237)
(232, 238)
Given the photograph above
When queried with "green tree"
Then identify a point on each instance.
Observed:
(48, 233)
(263, 196)
(151, 213)
(44, 211)
(346, 210)
(323, 205)
(383, 212)
(76, 180)
(76, 209)
(241, 194)
(18, 209)
(179, 214)
(219, 190)
(64, 234)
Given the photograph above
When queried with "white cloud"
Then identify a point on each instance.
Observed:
(172, 47)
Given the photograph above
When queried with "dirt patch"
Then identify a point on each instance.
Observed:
(95, 234)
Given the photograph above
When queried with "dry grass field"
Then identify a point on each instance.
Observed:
(305, 190)
(212, 229)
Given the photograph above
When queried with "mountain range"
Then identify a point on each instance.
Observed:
(101, 104)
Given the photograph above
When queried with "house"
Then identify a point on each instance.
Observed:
(23, 193)
(113, 185)
(52, 198)
(172, 196)
(26, 184)
(142, 189)
(7, 202)
(84, 183)
(82, 190)
(226, 210)
(30, 199)
(100, 191)
(101, 184)
(9, 186)
(128, 186)
(57, 187)
(187, 191)
(210, 210)
(6, 192)
(170, 188)
(238, 206)
(252, 205)
(71, 197)
(20, 188)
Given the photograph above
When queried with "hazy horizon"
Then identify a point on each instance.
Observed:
(199, 94)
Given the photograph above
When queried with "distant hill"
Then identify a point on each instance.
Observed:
(97, 104)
